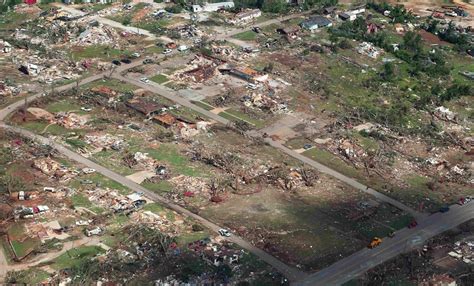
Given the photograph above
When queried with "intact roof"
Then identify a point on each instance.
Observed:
(143, 106)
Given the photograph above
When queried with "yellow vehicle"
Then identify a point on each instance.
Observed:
(375, 242)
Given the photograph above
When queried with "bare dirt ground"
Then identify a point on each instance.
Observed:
(421, 7)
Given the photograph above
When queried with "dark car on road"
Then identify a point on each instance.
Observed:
(126, 61)
(116, 62)
(444, 209)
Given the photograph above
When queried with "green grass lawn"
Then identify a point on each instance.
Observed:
(186, 238)
(326, 158)
(26, 246)
(246, 36)
(153, 207)
(161, 187)
(32, 276)
(97, 51)
(170, 154)
(43, 127)
(65, 106)
(113, 84)
(203, 105)
(159, 78)
(235, 115)
(75, 256)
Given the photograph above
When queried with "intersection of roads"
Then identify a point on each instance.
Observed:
(340, 272)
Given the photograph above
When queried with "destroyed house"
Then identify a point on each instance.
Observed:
(145, 107)
(201, 73)
(329, 10)
(167, 119)
(289, 31)
(246, 16)
(212, 7)
(245, 73)
(316, 22)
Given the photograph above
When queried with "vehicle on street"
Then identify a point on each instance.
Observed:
(224, 232)
(116, 62)
(464, 200)
(413, 224)
(88, 170)
(375, 242)
(167, 51)
(144, 80)
(135, 55)
(256, 29)
(444, 209)
(126, 61)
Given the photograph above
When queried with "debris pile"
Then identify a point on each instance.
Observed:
(99, 34)
(46, 165)
(70, 120)
(369, 50)
(464, 251)
(106, 141)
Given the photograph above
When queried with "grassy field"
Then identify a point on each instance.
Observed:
(32, 276)
(246, 36)
(180, 164)
(159, 78)
(203, 105)
(113, 84)
(76, 256)
(98, 51)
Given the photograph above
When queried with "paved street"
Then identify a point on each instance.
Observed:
(404, 240)
(338, 273)
(291, 273)
(174, 96)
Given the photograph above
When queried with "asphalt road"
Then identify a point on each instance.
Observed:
(405, 240)
(14, 106)
(291, 273)
(174, 96)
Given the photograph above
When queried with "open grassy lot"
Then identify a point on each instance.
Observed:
(246, 36)
(159, 78)
(98, 51)
(75, 257)
(32, 276)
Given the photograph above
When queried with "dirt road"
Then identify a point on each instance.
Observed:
(5, 267)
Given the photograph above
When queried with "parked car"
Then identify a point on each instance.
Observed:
(126, 60)
(167, 51)
(224, 232)
(413, 224)
(88, 170)
(256, 29)
(116, 62)
(252, 86)
(145, 80)
(182, 48)
(86, 109)
(464, 200)
(375, 242)
(307, 146)
(135, 55)
(444, 209)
